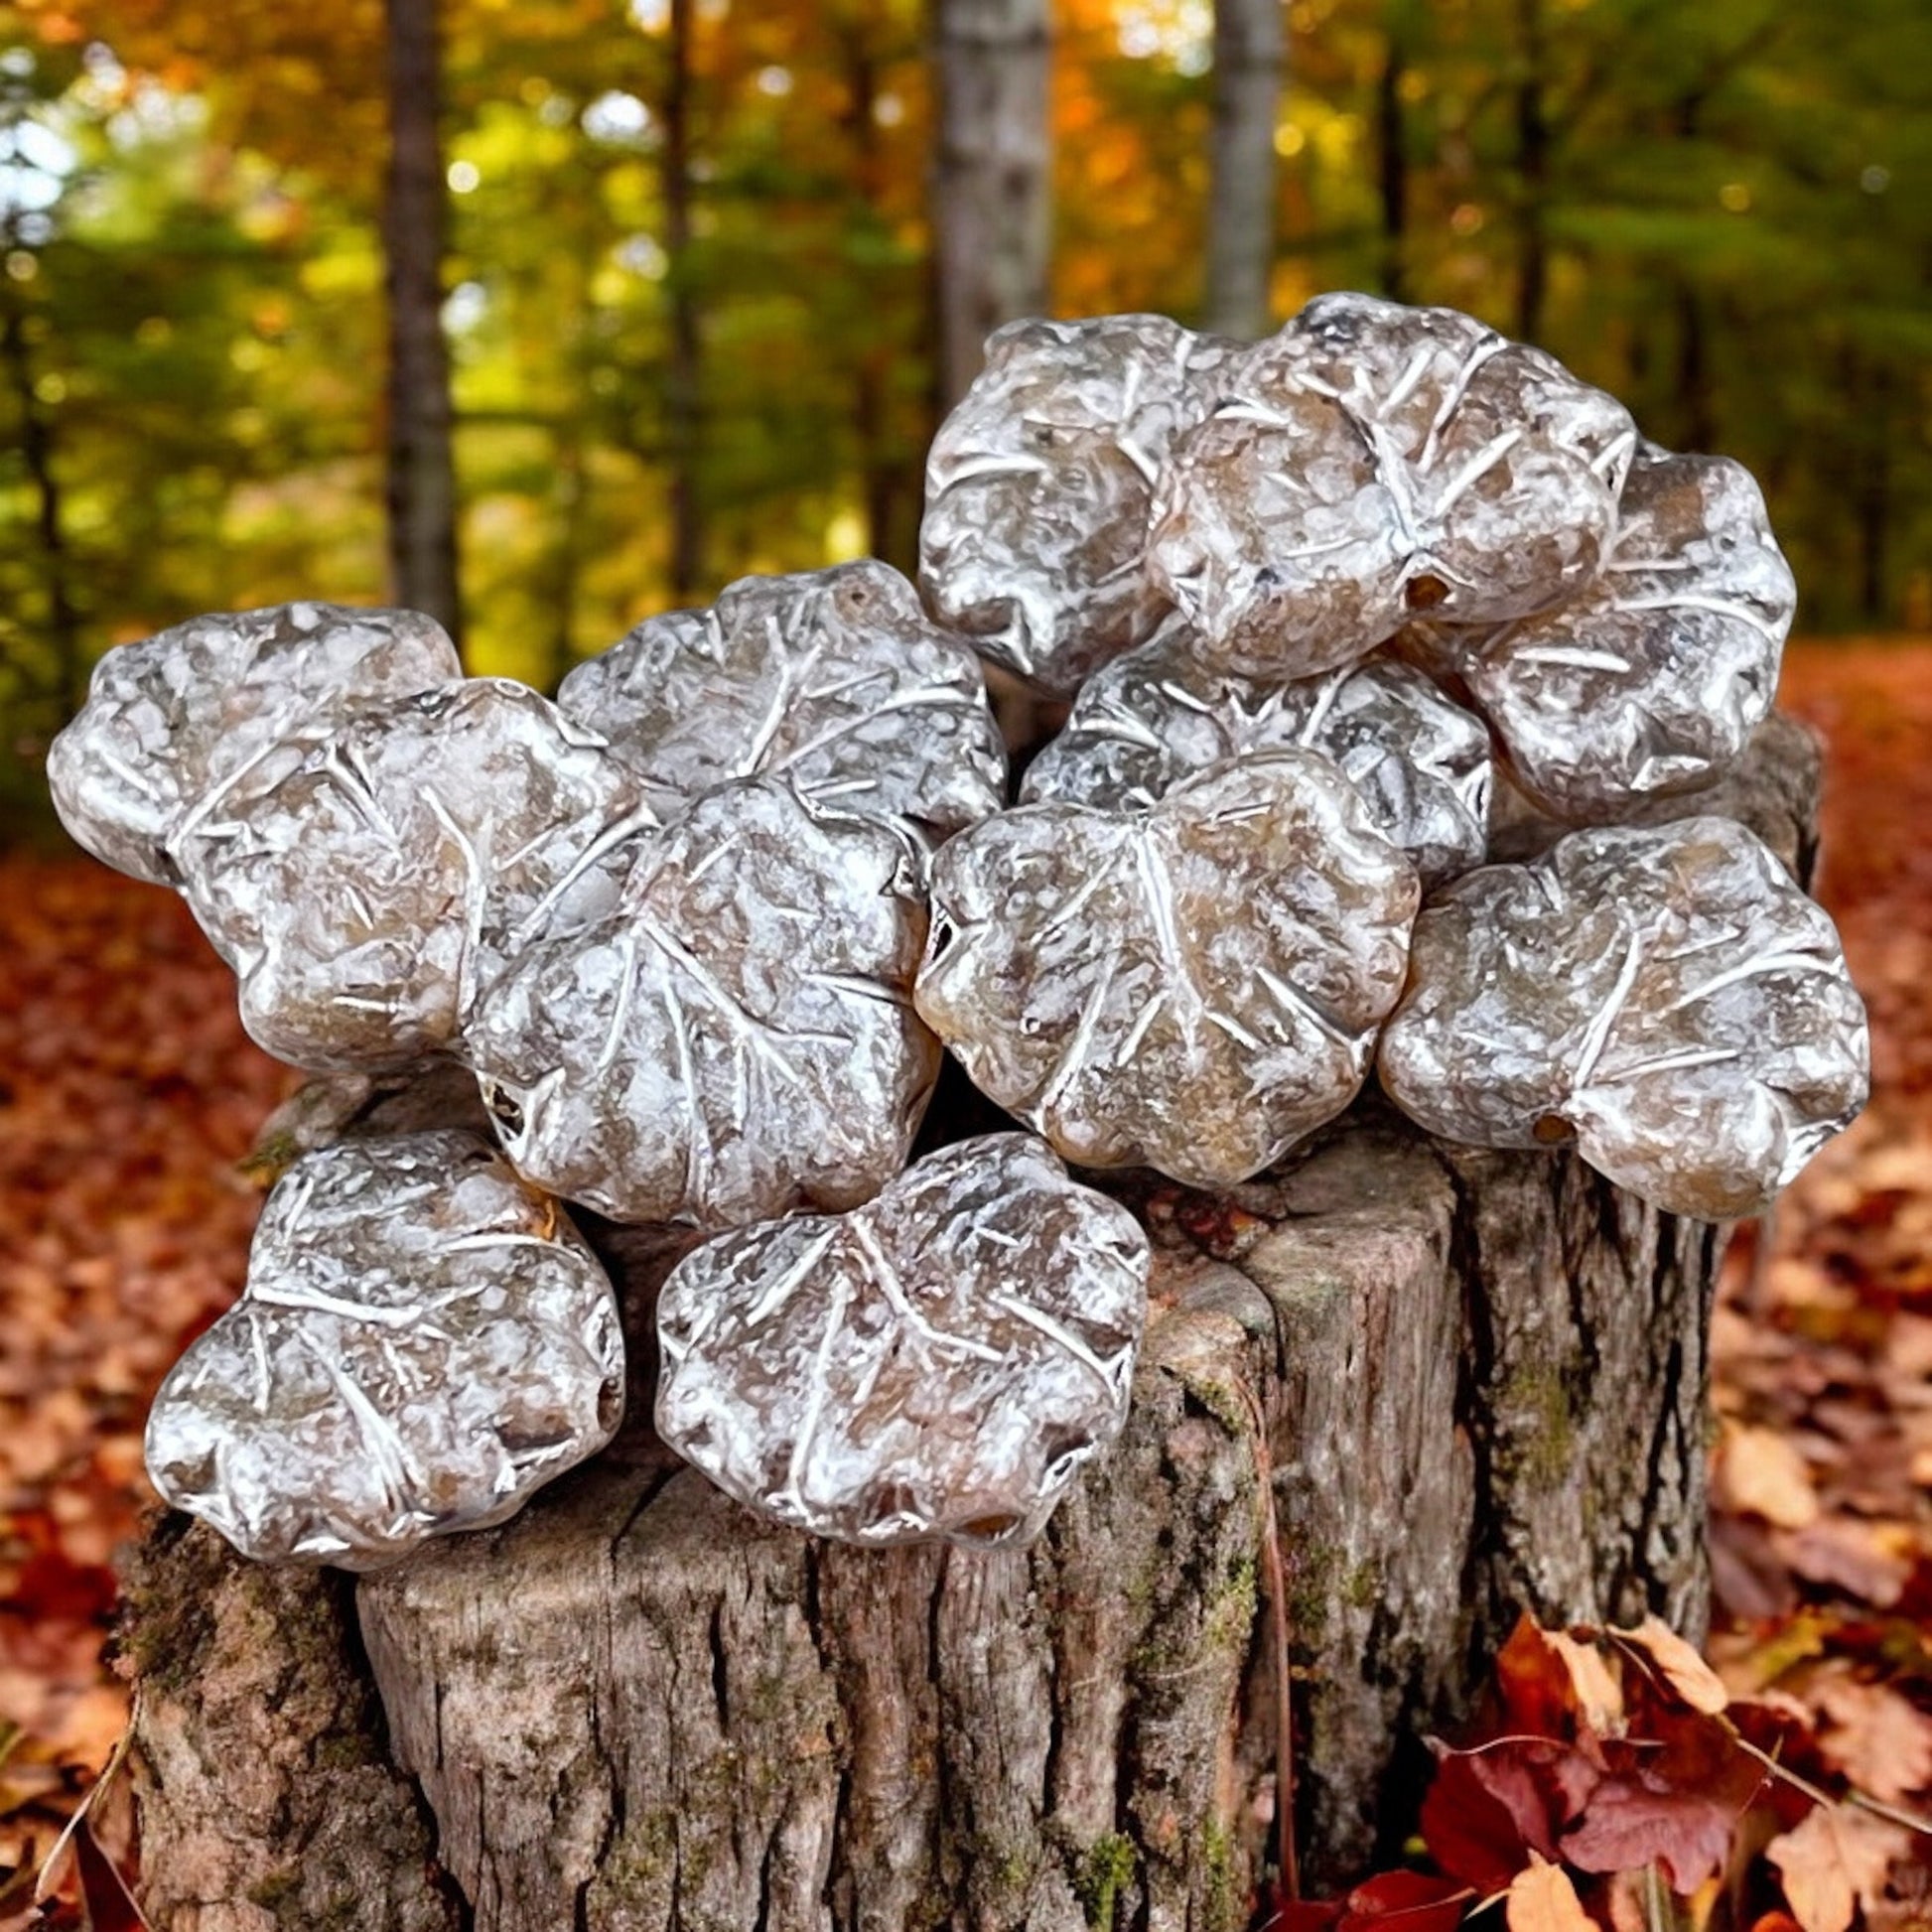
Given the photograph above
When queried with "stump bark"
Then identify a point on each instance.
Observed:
(1392, 1396)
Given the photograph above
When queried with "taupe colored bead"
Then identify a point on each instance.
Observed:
(369, 876)
(1147, 720)
(1038, 489)
(938, 1363)
(1371, 462)
(1651, 679)
(172, 721)
(1192, 988)
(834, 679)
(737, 1038)
(1665, 995)
(423, 1342)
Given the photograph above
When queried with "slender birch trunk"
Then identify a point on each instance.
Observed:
(1248, 58)
(992, 199)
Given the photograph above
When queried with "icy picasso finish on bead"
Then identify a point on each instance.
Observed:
(1373, 461)
(369, 877)
(1192, 988)
(170, 721)
(1652, 678)
(1038, 489)
(737, 1038)
(1666, 995)
(936, 1364)
(1146, 721)
(423, 1342)
(834, 679)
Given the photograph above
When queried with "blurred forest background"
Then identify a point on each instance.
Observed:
(702, 268)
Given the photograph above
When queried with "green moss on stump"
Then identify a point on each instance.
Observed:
(1104, 1872)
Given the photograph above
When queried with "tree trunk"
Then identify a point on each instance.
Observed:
(991, 194)
(68, 690)
(569, 495)
(1697, 425)
(684, 410)
(1532, 171)
(1392, 1394)
(1248, 43)
(1876, 400)
(422, 471)
(890, 470)
(1693, 398)
(1392, 163)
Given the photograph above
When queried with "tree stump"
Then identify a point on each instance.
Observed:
(1392, 1395)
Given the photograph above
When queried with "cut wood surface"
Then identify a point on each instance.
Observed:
(1468, 1383)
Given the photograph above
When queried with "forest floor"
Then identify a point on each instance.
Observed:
(129, 1097)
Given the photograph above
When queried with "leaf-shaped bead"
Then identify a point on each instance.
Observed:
(369, 877)
(833, 679)
(938, 1363)
(1665, 995)
(422, 1343)
(1147, 720)
(1371, 462)
(1650, 680)
(1192, 988)
(1038, 488)
(737, 1038)
(170, 722)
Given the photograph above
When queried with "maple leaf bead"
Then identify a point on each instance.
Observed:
(1195, 987)
(737, 1038)
(422, 1343)
(369, 876)
(1664, 995)
(1651, 679)
(938, 1363)
(1757, 791)
(833, 679)
(1147, 720)
(1038, 483)
(1372, 461)
(173, 721)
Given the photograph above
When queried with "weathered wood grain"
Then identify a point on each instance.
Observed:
(261, 1768)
